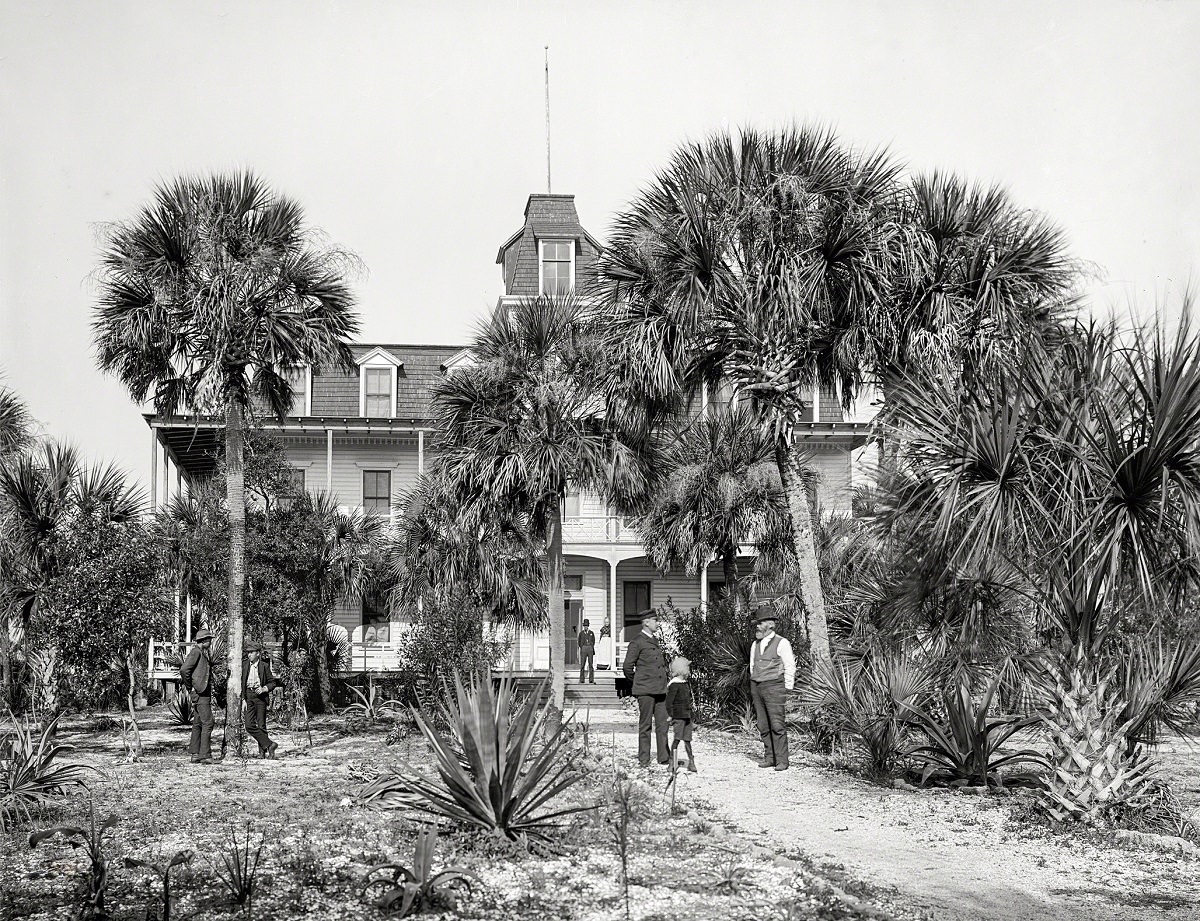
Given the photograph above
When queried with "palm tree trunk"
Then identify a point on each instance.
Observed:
(235, 495)
(729, 567)
(558, 623)
(320, 653)
(800, 511)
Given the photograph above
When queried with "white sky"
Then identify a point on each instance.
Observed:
(413, 132)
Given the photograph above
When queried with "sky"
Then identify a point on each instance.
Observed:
(412, 133)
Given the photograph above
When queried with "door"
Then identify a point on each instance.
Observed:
(636, 597)
(573, 609)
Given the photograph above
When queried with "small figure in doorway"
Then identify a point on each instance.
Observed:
(587, 653)
(679, 709)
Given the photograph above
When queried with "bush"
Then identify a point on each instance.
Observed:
(446, 640)
(31, 772)
(416, 888)
(717, 641)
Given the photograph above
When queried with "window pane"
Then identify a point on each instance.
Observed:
(378, 407)
(296, 480)
(379, 381)
(377, 490)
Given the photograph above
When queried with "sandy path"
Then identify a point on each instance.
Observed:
(954, 856)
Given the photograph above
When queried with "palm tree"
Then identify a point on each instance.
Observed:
(42, 495)
(207, 299)
(527, 421)
(721, 490)
(16, 427)
(746, 260)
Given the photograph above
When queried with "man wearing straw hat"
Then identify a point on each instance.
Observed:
(196, 676)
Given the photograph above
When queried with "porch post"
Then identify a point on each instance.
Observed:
(420, 452)
(166, 474)
(612, 611)
(178, 480)
(188, 609)
(704, 585)
(153, 470)
(329, 461)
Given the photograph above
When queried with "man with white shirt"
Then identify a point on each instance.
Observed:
(772, 675)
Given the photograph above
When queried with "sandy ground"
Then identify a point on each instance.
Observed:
(950, 856)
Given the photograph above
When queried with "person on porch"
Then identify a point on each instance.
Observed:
(587, 653)
(772, 675)
(646, 666)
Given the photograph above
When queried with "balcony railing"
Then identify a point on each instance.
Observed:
(598, 529)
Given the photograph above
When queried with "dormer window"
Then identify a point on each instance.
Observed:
(377, 384)
(300, 380)
(557, 266)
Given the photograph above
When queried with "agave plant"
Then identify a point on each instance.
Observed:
(492, 772)
(413, 889)
(866, 699)
(180, 709)
(91, 838)
(371, 706)
(31, 772)
(964, 748)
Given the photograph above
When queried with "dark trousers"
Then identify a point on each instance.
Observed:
(652, 707)
(256, 721)
(200, 745)
(587, 659)
(768, 709)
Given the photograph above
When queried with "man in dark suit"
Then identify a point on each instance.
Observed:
(587, 653)
(257, 685)
(196, 676)
(646, 664)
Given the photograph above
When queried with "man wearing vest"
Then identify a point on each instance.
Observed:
(772, 675)
(587, 653)
(196, 676)
(646, 666)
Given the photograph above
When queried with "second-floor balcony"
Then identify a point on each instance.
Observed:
(598, 529)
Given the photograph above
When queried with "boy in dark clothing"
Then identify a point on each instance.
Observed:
(679, 709)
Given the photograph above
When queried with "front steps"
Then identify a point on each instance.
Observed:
(579, 697)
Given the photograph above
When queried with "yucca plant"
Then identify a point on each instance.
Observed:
(371, 705)
(180, 709)
(866, 699)
(413, 889)
(31, 772)
(91, 838)
(492, 773)
(964, 748)
(239, 869)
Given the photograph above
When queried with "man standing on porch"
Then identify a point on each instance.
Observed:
(587, 653)
(772, 675)
(646, 666)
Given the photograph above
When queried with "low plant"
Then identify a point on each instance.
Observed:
(180, 710)
(32, 770)
(91, 838)
(866, 699)
(163, 872)
(493, 773)
(730, 876)
(963, 748)
(408, 890)
(371, 706)
(619, 820)
(239, 869)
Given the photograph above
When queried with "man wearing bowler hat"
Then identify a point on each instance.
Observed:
(196, 676)
(772, 675)
(646, 666)
(257, 685)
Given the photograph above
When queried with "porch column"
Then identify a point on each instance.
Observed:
(153, 470)
(329, 461)
(420, 452)
(612, 611)
(166, 475)
(178, 481)
(704, 585)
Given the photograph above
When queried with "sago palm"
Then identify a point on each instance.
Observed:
(208, 298)
(527, 421)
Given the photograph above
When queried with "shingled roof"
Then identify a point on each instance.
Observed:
(335, 392)
(546, 216)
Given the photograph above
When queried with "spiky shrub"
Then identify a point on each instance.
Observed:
(963, 747)
(1093, 769)
(239, 866)
(371, 706)
(866, 700)
(32, 771)
(92, 839)
(163, 872)
(180, 709)
(493, 773)
(408, 890)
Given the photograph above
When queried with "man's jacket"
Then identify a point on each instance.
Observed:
(587, 640)
(646, 665)
(267, 681)
(196, 670)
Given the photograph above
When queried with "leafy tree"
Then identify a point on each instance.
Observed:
(528, 420)
(208, 298)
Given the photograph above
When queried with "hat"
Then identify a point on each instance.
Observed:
(254, 646)
(650, 612)
(202, 634)
(764, 612)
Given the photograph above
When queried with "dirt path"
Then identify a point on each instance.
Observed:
(954, 856)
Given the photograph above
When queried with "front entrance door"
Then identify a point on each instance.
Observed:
(573, 611)
(637, 599)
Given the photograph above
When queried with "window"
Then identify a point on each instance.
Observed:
(571, 504)
(298, 380)
(378, 399)
(716, 590)
(573, 583)
(637, 599)
(557, 257)
(295, 481)
(377, 491)
(376, 619)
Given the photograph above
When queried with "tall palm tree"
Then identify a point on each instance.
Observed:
(207, 299)
(16, 426)
(721, 491)
(527, 421)
(42, 495)
(746, 260)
